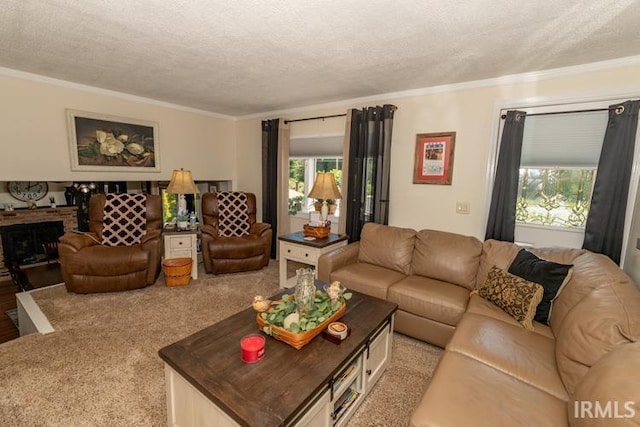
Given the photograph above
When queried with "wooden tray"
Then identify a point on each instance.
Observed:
(298, 341)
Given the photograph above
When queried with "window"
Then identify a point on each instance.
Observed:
(170, 204)
(302, 174)
(307, 156)
(554, 197)
(560, 155)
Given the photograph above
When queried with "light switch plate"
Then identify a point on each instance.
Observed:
(463, 208)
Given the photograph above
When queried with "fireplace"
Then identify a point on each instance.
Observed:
(24, 244)
(29, 218)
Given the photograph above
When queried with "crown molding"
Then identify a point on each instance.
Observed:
(347, 103)
(533, 76)
(8, 72)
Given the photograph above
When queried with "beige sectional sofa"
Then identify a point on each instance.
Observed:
(582, 369)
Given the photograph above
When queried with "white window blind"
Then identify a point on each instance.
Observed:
(563, 140)
(325, 146)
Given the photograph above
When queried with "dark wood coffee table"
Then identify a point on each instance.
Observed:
(208, 384)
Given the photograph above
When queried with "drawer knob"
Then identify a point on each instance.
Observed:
(179, 243)
(306, 254)
(368, 371)
(288, 251)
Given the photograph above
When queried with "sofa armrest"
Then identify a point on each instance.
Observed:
(150, 235)
(259, 228)
(208, 231)
(336, 259)
(73, 242)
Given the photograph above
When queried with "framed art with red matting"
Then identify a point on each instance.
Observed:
(434, 158)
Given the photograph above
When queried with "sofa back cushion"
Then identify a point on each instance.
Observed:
(495, 253)
(607, 317)
(447, 256)
(387, 246)
(589, 271)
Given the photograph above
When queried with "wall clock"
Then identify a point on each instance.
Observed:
(28, 191)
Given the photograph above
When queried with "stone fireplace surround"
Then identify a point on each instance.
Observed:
(66, 214)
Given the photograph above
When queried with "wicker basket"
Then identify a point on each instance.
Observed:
(298, 341)
(177, 271)
(317, 232)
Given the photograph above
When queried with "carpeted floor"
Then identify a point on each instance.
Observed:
(101, 365)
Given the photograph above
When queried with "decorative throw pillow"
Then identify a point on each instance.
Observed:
(233, 214)
(551, 275)
(124, 220)
(514, 295)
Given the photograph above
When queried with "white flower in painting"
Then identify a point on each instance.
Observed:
(135, 149)
(109, 145)
(123, 138)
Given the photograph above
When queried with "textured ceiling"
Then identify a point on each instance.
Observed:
(245, 57)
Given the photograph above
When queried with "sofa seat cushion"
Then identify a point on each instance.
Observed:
(120, 260)
(430, 298)
(447, 256)
(509, 348)
(466, 392)
(369, 279)
(387, 246)
(236, 247)
(479, 305)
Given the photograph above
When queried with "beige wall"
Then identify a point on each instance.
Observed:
(35, 144)
(471, 114)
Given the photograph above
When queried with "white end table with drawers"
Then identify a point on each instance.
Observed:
(178, 244)
(294, 247)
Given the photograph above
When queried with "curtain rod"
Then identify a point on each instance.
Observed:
(314, 118)
(620, 107)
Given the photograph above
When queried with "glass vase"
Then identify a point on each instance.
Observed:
(305, 290)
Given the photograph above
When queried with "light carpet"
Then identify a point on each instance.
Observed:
(101, 366)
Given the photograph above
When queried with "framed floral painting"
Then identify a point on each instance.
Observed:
(98, 142)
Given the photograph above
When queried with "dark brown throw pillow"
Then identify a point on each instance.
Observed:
(550, 275)
(514, 295)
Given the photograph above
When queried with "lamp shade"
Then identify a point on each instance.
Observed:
(182, 183)
(325, 187)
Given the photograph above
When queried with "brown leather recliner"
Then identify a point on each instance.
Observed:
(233, 254)
(88, 266)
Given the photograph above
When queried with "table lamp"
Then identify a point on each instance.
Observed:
(182, 183)
(325, 188)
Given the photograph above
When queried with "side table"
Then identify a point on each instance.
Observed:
(178, 244)
(295, 248)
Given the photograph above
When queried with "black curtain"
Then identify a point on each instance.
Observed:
(369, 168)
(270, 178)
(604, 230)
(501, 224)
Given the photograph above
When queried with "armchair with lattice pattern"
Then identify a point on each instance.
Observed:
(232, 239)
(122, 248)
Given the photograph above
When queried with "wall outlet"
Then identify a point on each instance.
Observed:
(463, 208)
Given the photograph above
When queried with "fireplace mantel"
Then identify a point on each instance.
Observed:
(66, 214)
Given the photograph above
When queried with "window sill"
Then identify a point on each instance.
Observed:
(550, 228)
